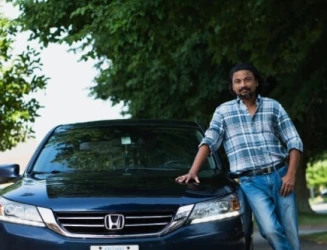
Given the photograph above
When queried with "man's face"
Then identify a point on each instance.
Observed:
(244, 84)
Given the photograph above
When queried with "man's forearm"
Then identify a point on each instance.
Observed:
(294, 161)
(200, 157)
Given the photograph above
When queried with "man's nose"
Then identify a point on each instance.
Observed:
(243, 83)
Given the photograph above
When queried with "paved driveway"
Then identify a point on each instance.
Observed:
(320, 208)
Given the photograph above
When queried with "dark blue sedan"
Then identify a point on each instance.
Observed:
(110, 185)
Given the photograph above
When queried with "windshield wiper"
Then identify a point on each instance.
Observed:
(51, 172)
(148, 169)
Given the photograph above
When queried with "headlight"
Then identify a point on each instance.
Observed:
(212, 210)
(218, 209)
(179, 219)
(19, 213)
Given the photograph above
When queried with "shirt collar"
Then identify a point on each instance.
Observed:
(258, 100)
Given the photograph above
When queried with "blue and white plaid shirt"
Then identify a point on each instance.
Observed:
(257, 141)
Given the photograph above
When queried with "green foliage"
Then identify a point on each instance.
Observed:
(170, 59)
(317, 174)
(18, 79)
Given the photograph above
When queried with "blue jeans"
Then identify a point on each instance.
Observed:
(276, 215)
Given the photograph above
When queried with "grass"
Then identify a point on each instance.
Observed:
(314, 221)
(320, 238)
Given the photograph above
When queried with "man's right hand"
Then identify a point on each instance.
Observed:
(202, 154)
(187, 177)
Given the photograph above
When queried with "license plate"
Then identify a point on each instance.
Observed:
(115, 247)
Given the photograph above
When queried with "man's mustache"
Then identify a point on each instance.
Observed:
(245, 88)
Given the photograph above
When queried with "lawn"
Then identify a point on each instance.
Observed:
(316, 237)
(314, 221)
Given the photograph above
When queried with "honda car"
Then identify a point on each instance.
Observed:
(110, 185)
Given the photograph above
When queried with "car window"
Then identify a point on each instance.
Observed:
(121, 148)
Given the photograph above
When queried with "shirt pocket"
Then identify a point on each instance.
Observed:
(265, 130)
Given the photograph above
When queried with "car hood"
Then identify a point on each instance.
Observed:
(103, 191)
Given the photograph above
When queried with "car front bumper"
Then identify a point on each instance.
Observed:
(226, 234)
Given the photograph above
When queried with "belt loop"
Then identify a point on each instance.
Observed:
(275, 167)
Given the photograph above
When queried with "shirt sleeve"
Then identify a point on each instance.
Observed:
(287, 131)
(214, 134)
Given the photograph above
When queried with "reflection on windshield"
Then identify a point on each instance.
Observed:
(120, 148)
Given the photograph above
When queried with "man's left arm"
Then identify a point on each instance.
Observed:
(288, 181)
(291, 138)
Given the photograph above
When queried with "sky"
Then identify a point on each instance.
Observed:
(65, 99)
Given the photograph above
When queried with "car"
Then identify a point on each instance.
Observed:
(110, 185)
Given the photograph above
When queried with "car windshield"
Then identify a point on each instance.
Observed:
(127, 148)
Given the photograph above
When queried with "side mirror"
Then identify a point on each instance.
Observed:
(8, 172)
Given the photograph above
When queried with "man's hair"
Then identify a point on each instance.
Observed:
(249, 67)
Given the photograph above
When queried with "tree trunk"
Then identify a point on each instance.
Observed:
(301, 190)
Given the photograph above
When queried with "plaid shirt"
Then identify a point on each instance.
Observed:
(252, 142)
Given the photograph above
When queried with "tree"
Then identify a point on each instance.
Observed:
(170, 59)
(18, 79)
(317, 175)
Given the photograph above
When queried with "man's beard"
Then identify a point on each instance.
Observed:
(246, 96)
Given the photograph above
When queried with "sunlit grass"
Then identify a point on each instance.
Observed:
(320, 238)
(318, 200)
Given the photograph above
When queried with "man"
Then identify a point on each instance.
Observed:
(259, 138)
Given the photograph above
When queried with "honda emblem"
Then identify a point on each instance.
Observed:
(114, 221)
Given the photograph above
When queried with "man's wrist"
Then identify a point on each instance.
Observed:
(192, 172)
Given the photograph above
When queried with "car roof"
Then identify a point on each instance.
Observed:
(131, 122)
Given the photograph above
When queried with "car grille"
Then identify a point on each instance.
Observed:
(93, 223)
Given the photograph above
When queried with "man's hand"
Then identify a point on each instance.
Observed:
(289, 179)
(187, 177)
(202, 154)
(287, 185)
